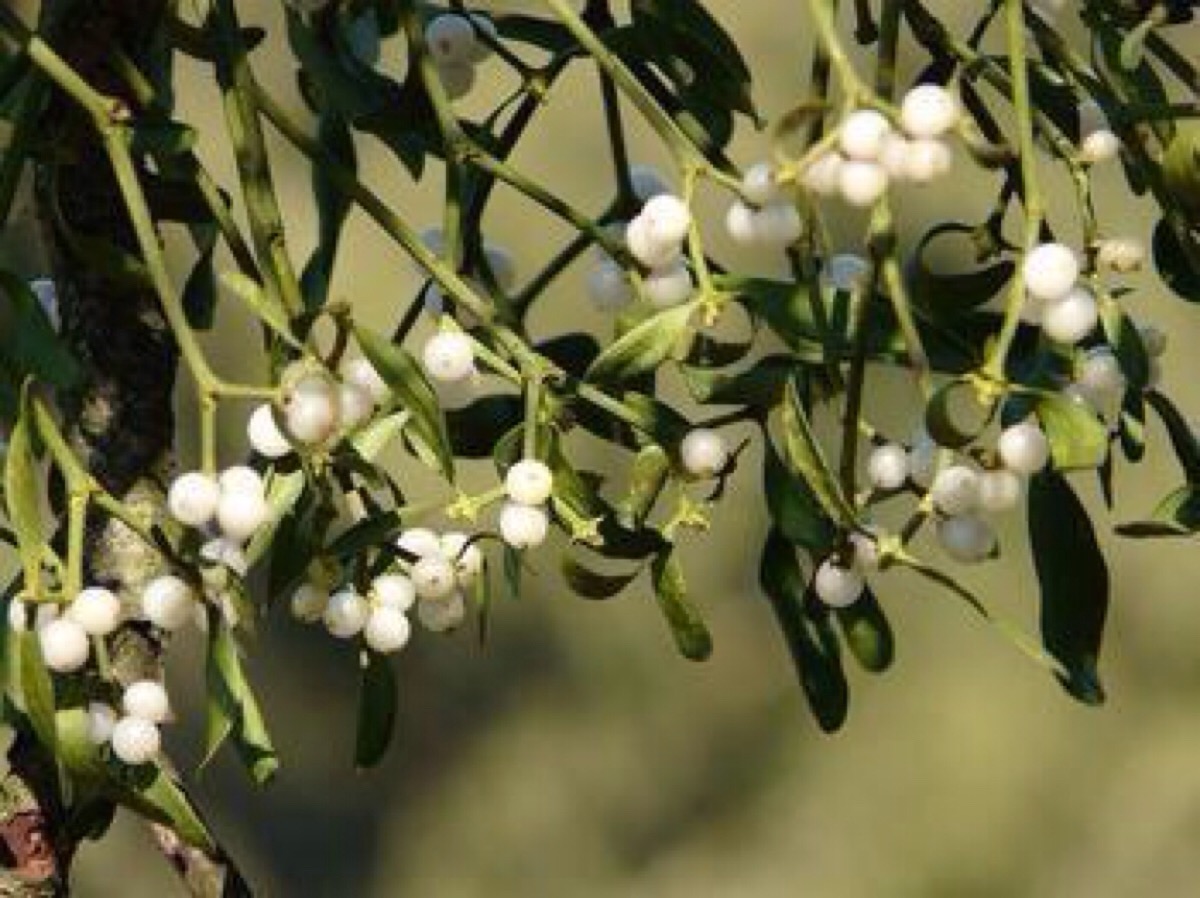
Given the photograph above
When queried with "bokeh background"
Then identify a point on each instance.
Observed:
(577, 755)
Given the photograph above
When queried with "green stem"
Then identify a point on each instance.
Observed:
(824, 16)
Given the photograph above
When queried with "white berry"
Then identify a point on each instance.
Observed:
(440, 615)
(345, 614)
(146, 699)
(741, 223)
(758, 184)
(1099, 146)
(135, 741)
(356, 404)
(966, 538)
(1050, 271)
(451, 39)
(887, 466)
(926, 160)
(449, 356)
(999, 490)
(778, 224)
(867, 555)
(241, 479)
(922, 458)
(241, 514)
(863, 133)
(823, 176)
(529, 482)
(167, 602)
(65, 645)
(387, 630)
(362, 373)
(265, 436)
(608, 286)
(1070, 319)
(101, 719)
(837, 586)
(433, 577)
(862, 183)
(955, 490)
(464, 555)
(643, 245)
(97, 610)
(393, 591)
(193, 498)
(1099, 374)
(668, 285)
(667, 219)
(523, 526)
(1023, 448)
(419, 542)
(928, 111)
(311, 414)
(309, 602)
(704, 452)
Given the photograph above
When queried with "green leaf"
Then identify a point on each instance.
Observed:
(408, 383)
(867, 632)
(260, 303)
(29, 345)
(951, 294)
(954, 416)
(760, 385)
(476, 429)
(162, 137)
(37, 689)
(1078, 438)
(1074, 583)
(1183, 438)
(332, 208)
(589, 584)
(812, 645)
(1176, 515)
(377, 704)
(232, 709)
(794, 508)
(1174, 261)
(651, 469)
(22, 497)
(155, 793)
(644, 347)
(803, 456)
(687, 627)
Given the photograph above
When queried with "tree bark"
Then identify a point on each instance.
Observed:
(121, 421)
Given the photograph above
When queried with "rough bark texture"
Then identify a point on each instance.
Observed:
(121, 423)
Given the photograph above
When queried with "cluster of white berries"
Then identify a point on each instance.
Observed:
(318, 409)
(763, 216)
(235, 500)
(655, 238)
(871, 154)
(1066, 310)
(457, 45)
(607, 282)
(64, 634)
(524, 522)
(133, 735)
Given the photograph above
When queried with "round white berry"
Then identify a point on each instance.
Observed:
(387, 630)
(926, 160)
(704, 452)
(65, 645)
(458, 78)
(193, 498)
(648, 249)
(135, 741)
(241, 514)
(922, 458)
(999, 490)
(823, 176)
(241, 479)
(464, 555)
(955, 490)
(1071, 318)
(667, 219)
(362, 373)
(893, 156)
(440, 615)
(1099, 373)
(837, 586)
(608, 286)
(449, 356)
(646, 182)
(265, 436)
(862, 134)
(887, 466)
(311, 413)
(928, 111)
(529, 482)
(1099, 146)
(758, 184)
(345, 613)
(1050, 271)
(97, 610)
(862, 183)
(309, 602)
(867, 556)
(778, 224)
(1023, 448)
(419, 542)
(845, 271)
(433, 577)
(966, 538)
(167, 602)
(356, 405)
(669, 285)
(741, 224)
(146, 699)
(393, 591)
(450, 38)
(101, 719)
(523, 526)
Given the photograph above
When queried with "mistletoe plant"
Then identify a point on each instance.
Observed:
(1031, 371)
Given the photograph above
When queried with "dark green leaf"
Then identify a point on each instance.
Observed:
(1078, 438)
(232, 708)
(794, 508)
(589, 584)
(804, 457)
(867, 632)
(687, 627)
(651, 468)
(644, 347)
(376, 710)
(29, 345)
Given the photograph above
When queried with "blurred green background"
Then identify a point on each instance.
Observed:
(576, 755)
